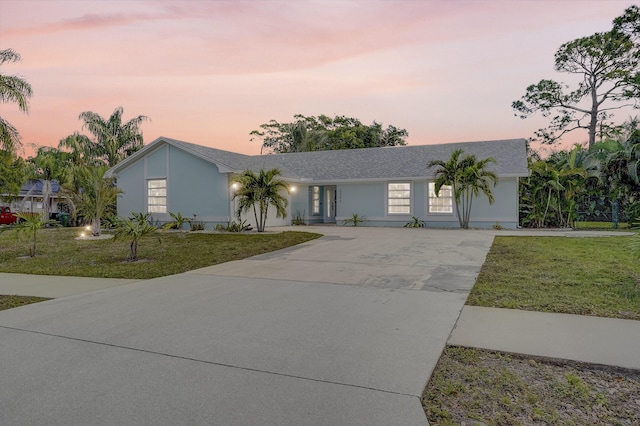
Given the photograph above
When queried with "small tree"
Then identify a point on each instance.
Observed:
(30, 224)
(134, 228)
(258, 192)
(97, 196)
(467, 177)
(178, 221)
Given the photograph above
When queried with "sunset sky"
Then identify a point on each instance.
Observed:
(209, 72)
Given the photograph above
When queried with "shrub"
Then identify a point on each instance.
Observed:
(415, 223)
(354, 220)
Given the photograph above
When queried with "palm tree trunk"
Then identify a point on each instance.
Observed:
(46, 197)
(544, 216)
(95, 226)
(457, 199)
(133, 254)
(32, 251)
(468, 216)
(264, 220)
(255, 214)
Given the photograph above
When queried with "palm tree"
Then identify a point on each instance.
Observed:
(135, 228)
(574, 168)
(97, 196)
(620, 173)
(12, 89)
(467, 177)
(545, 181)
(78, 146)
(258, 192)
(30, 224)
(79, 159)
(114, 140)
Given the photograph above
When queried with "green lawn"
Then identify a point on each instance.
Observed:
(12, 301)
(478, 387)
(589, 276)
(160, 254)
(592, 276)
(601, 226)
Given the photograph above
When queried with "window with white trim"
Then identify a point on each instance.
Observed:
(399, 198)
(157, 195)
(443, 203)
(315, 200)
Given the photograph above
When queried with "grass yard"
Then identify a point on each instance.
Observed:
(160, 254)
(588, 276)
(601, 226)
(478, 387)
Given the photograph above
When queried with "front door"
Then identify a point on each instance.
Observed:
(330, 204)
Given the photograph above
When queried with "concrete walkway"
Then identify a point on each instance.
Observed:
(54, 286)
(606, 341)
(345, 329)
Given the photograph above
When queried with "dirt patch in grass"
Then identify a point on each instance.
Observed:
(10, 301)
(478, 387)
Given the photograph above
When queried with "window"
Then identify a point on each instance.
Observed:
(315, 200)
(444, 202)
(399, 198)
(157, 196)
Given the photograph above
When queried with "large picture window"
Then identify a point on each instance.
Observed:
(443, 203)
(399, 198)
(157, 195)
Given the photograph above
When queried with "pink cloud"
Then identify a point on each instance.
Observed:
(211, 71)
(89, 21)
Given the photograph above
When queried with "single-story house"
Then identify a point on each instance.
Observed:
(39, 196)
(387, 186)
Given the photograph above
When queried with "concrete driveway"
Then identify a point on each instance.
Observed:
(345, 329)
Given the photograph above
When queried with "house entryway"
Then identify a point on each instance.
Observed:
(330, 204)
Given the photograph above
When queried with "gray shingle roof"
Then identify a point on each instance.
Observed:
(360, 164)
(400, 162)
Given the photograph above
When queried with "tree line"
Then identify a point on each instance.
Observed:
(598, 183)
(324, 133)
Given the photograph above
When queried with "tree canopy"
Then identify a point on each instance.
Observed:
(13, 173)
(13, 89)
(629, 22)
(323, 133)
(114, 140)
(608, 65)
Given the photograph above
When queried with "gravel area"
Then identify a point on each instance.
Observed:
(478, 387)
